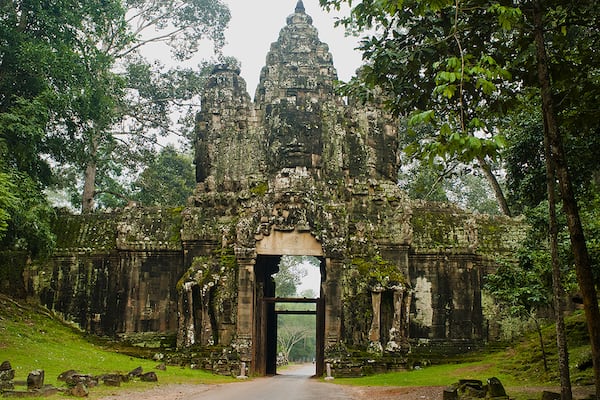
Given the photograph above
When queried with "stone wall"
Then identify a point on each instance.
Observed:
(113, 273)
(298, 171)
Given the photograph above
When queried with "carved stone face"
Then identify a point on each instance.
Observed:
(294, 136)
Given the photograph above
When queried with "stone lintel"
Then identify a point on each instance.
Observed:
(290, 243)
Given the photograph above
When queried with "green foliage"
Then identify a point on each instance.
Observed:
(64, 101)
(291, 271)
(523, 289)
(424, 181)
(518, 367)
(454, 183)
(590, 216)
(206, 271)
(25, 216)
(168, 180)
(296, 336)
(260, 189)
(428, 66)
(8, 202)
(379, 273)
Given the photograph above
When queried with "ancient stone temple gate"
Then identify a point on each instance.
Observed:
(297, 171)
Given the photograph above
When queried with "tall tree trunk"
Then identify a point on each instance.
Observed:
(578, 245)
(557, 287)
(89, 178)
(491, 178)
(538, 329)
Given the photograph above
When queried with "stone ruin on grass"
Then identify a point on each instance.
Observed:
(77, 384)
(469, 389)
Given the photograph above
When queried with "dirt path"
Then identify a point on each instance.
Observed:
(193, 392)
(294, 384)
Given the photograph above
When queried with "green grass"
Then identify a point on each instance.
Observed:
(519, 367)
(437, 375)
(30, 338)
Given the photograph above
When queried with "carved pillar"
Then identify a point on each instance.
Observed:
(396, 330)
(245, 314)
(206, 329)
(406, 321)
(375, 331)
(399, 330)
(245, 309)
(333, 301)
(186, 332)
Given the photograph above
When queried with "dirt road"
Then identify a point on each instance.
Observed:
(292, 384)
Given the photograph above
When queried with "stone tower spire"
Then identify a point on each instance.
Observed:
(298, 64)
(295, 83)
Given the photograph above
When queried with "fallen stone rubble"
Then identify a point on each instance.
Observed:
(476, 389)
(77, 384)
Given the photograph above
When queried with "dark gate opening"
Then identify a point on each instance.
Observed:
(266, 316)
(270, 332)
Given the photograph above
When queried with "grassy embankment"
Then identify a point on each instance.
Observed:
(30, 338)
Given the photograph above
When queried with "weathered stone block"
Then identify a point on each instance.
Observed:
(149, 377)
(35, 379)
(79, 390)
(495, 389)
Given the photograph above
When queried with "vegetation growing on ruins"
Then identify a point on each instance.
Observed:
(465, 75)
(379, 273)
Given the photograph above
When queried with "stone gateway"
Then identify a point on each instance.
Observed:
(297, 171)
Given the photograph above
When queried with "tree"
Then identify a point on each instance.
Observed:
(559, 164)
(168, 181)
(43, 78)
(444, 77)
(146, 104)
(289, 277)
(465, 59)
(525, 288)
(291, 331)
(458, 184)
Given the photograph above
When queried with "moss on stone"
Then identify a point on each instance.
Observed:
(378, 272)
(260, 189)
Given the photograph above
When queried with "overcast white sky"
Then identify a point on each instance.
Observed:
(255, 24)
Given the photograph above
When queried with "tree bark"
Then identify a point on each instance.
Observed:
(570, 207)
(538, 328)
(89, 178)
(498, 192)
(557, 286)
(89, 187)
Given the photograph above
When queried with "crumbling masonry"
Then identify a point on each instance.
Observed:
(297, 171)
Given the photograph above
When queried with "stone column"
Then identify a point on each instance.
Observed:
(186, 331)
(375, 331)
(406, 320)
(333, 302)
(398, 311)
(399, 329)
(206, 328)
(245, 308)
